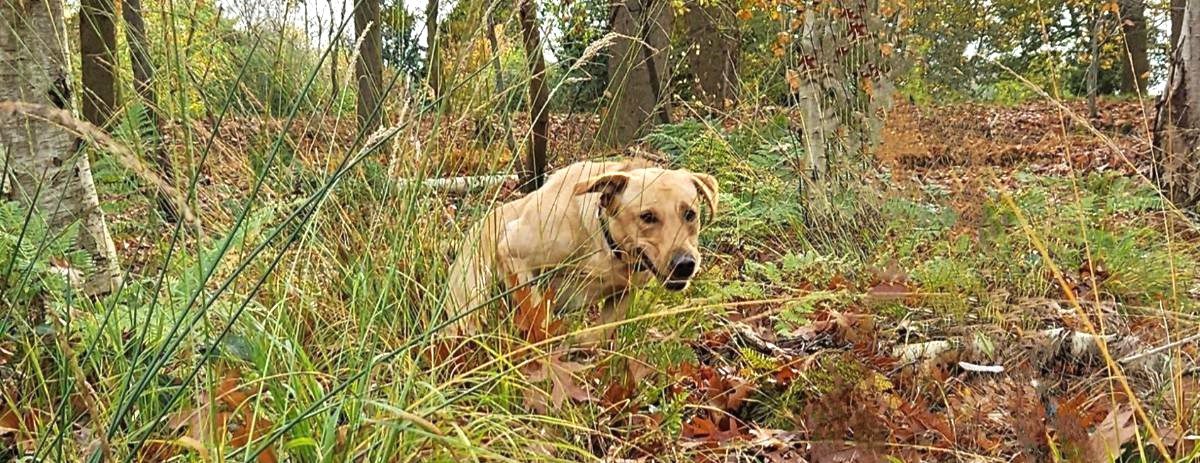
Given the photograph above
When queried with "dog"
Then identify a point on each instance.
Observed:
(601, 229)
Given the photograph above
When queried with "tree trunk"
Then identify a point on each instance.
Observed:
(434, 57)
(534, 173)
(1176, 21)
(495, 45)
(369, 68)
(652, 72)
(1093, 69)
(716, 50)
(50, 170)
(335, 89)
(1177, 125)
(97, 45)
(1136, 64)
(637, 70)
(501, 90)
(143, 83)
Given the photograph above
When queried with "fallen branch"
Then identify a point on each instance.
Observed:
(461, 185)
(1044, 346)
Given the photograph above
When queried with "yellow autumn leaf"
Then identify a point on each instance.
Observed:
(793, 80)
(886, 49)
(744, 15)
(783, 38)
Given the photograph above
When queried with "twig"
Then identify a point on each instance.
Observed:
(1140, 355)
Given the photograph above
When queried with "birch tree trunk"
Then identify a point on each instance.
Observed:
(50, 170)
(1177, 125)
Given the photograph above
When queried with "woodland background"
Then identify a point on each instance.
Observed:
(950, 230)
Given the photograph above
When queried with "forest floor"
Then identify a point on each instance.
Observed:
(1005, 285)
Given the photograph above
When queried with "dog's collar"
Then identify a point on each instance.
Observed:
(609, 241)
(640, 264)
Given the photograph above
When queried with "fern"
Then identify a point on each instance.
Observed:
(34, 262)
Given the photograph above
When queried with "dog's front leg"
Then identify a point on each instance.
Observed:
(518, 272)
(613, 310)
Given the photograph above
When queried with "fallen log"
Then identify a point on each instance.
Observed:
(460, 185)
(1042, 347)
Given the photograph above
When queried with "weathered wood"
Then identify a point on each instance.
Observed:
(50, 170)
(461, 185)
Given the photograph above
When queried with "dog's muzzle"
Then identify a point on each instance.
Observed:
(683, 267)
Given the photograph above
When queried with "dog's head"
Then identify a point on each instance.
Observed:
(654, 216)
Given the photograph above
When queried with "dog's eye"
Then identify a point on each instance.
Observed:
(689, 215)
(648, 217)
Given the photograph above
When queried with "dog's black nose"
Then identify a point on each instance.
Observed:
(683, 266)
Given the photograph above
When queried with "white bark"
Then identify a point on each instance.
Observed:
(462, 185)
(1177, 128)
(49, 170)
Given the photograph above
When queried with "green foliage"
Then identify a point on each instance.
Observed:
(36, 264)
(580, 23)
(401, 43)
(954, 48)
(1107, 223)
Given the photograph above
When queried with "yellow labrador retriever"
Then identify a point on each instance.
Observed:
(601, 228)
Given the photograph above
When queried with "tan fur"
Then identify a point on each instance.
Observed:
(558, 229)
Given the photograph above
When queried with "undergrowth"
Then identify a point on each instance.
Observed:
(330, 347)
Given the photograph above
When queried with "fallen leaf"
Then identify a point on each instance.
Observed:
(1114, 431)
(10, 423)
(561, 374)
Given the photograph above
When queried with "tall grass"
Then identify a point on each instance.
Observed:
(318, 290)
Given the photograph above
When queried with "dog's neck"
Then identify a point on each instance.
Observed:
(614, 248)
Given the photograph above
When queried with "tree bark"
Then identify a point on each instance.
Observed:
(434, 57)
(97, 45)
(1093, 69)
(534, 173)
(637, 70)
(50, 170)
(335, 90)
(1176, 21)
(369, 68)
(1177, 125)
(652, 73)
(1136, 64)
(716, 51)
(501, 90)
(143, 84)
(494, 43)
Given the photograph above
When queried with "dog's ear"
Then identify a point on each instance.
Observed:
(608, 185)
(707, 186)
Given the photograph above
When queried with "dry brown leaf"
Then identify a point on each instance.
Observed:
(563, 385)
(10, 423)
(1116, 429)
